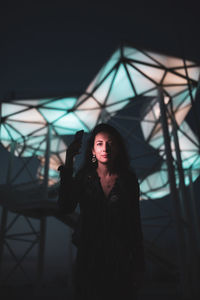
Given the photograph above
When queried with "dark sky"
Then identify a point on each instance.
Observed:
(56, 48)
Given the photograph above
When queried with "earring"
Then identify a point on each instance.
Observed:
(94, 159)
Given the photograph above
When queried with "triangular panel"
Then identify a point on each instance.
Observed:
(121, 88)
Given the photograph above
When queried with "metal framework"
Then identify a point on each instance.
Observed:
(30, 129)
(149, 97)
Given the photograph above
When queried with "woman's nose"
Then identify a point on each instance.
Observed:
(107, 147)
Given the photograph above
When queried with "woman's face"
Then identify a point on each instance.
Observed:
(105, 148)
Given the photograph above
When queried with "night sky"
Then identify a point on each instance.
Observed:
(56, 48)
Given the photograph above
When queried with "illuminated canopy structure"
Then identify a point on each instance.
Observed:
(26, 124)
(127, 76)
(131, 75)
(125, 93)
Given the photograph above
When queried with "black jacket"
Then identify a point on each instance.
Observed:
(109, 226)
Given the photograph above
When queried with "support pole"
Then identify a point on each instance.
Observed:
(41, 245)
(192, 255)
(40, 268)
(194, 101)
(195, 216)
(47, 158)
(196, 231)
(184, 287)
(4, 213)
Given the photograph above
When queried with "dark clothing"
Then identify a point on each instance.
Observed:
(110, 247)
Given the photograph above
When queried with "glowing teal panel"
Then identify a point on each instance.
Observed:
(156, 143)
(25, 128)
(158, 179)
(41, 146)
(31, 102)
(156, 185)
(151, 93)
(174, 90)
(196, 164)
(53, 173)
(29, 152)
(144, 186)
(141, 83)
(57, 145)
(88, 104)
(102, 91)
(71, 121)
(4, 134)
(64, 103)
(187, 180)
(109, 65)
(8, 133)
(147, 128)
(155, 180)
(41, 132)
(156, 192)
(196, 169)
(195, 175)
(156, 74)
(51, 114)
(64, 131)
(89, 116)
(132, 53)
(181, 99)
(35, 140)
(30, 115)
(159, 193)
(5, 143)
(54, 145)
(168, 61)
(8, 108)
(116, 107)
(36, 152)
(15, 135)
(121, 88)
(187, 163)
(194, 92)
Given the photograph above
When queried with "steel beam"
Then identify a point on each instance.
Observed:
(184, 280)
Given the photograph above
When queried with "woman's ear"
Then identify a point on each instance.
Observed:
(93, 152)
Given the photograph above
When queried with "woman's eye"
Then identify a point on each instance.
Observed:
(99, 144)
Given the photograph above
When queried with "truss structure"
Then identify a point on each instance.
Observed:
(26, 123)
(126, 94)
(29, 129)
(128, 75)
(133, 75)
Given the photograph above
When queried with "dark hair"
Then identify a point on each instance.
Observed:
(122, 159)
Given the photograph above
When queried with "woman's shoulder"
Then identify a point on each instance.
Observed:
(129, 183)
(85, 173)
(129, 180)
(129, 174)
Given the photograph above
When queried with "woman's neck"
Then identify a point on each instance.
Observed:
(104, 170)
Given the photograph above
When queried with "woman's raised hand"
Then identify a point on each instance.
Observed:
(73, 149)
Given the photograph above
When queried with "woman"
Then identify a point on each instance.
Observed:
(110, 257)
